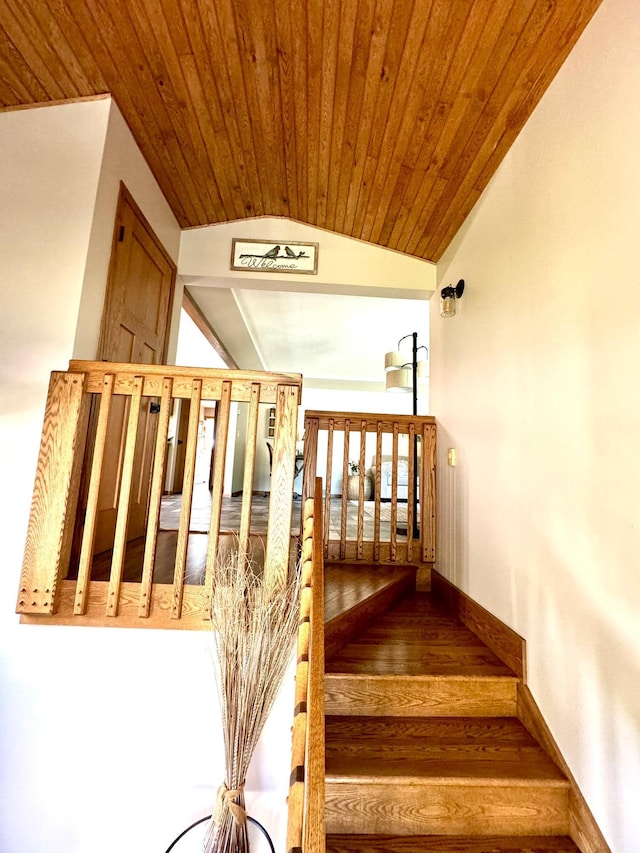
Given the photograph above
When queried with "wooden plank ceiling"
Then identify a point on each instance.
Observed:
(378, 119)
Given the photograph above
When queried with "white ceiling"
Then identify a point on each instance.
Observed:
(329, 338)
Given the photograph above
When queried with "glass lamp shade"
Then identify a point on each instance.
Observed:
(394, 360)
(422, 371)
(448, 306)
(399, 381)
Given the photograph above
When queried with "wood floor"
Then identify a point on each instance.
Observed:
(198, 540)
(424, 750)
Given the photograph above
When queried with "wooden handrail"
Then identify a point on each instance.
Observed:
(410, 540)
(306, 828)
(125, 410)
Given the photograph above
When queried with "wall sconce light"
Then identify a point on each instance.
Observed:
(448, 296)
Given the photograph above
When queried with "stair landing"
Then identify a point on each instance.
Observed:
(354, 597)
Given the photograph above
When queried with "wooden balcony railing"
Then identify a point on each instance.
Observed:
(99, 485)
(396, 454)
(306, 828)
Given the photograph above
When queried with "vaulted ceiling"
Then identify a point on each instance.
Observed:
(378, 119)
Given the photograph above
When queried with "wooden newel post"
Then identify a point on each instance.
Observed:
(276, 566)
(55, 493)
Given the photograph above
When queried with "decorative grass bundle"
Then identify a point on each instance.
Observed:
(254, 627)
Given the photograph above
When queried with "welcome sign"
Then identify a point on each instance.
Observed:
(270, 256)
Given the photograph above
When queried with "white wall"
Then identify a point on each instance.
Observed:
(107, 736)
(50, 168)
(345, 265)
(122, 161)
(535, 383)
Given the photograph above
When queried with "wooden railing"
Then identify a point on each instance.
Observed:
(353, 527)
(306, 831)
(103, 458)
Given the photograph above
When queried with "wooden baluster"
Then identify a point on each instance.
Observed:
(428, 492)
(219, 459)
(249, 468)
(91, 513)
(276, 563)
(327, 495)
(411, 496)
(310, 471)
(361, 466)
(187, 499)
(122, 516)
(55, 493)
(155, 500)
(377, 488)
(345, 486)
(394, 494)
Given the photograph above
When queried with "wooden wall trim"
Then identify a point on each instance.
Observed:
(510, 647)
(582, 825)
(501, 639)
(58, 102)
(196, 313)
(372, 419)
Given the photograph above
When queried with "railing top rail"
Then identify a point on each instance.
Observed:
(211, 378)
(371, 419)
(82, 366)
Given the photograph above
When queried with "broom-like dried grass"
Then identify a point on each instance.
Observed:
(254, 628)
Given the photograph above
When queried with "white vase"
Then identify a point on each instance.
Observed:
(353, 487)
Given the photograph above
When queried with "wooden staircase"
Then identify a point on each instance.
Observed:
(424, 749)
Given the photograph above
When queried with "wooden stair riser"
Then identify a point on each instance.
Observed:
(449, 844)
(419, 696)
(446, 808)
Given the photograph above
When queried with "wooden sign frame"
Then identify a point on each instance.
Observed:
(274, 257)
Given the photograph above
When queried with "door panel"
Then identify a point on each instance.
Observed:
(134, 329)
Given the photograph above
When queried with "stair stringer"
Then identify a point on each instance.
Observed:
(510, 647)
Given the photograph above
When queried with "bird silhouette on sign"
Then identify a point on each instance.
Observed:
(291, 254)
(272, 253)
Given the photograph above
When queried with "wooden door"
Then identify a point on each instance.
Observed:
(182, 430)
(135, 325)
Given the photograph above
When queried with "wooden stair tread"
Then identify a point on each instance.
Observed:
(391, 660)
(486, 731)
(495, 750)
(457, 770)
(449, 844)
(416, 637)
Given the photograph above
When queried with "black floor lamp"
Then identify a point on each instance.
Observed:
(402, 377)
